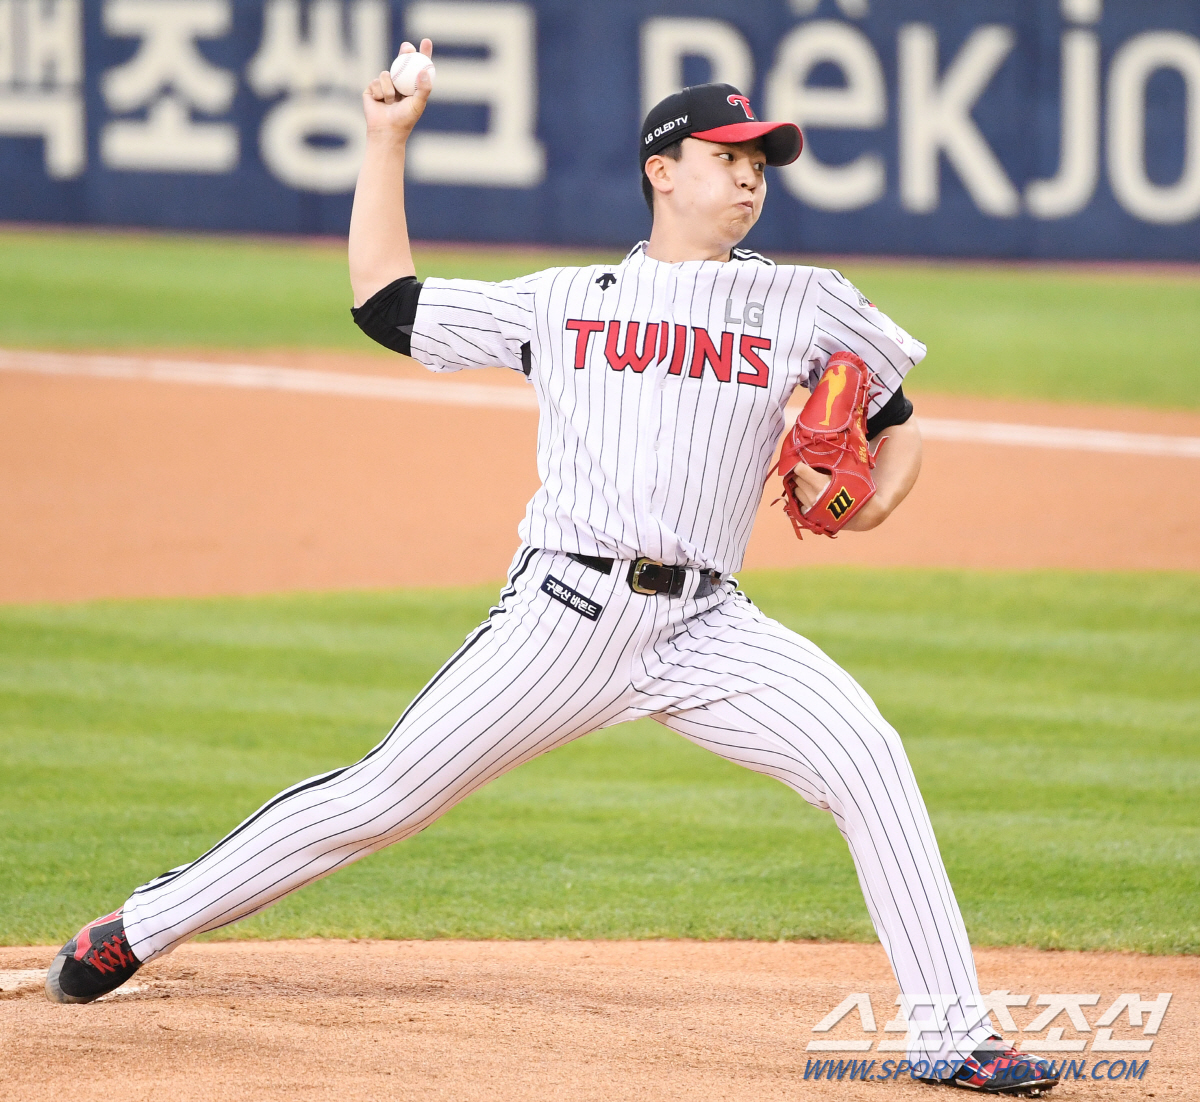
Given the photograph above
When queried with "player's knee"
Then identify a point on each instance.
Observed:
(875, 750)
(881, 742)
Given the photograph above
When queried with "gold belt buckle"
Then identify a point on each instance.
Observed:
(635, 577)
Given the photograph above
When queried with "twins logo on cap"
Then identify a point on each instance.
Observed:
(745, 103)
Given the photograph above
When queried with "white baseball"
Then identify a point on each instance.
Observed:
(405, 70)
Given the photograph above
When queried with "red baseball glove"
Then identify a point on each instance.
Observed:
(830, 435)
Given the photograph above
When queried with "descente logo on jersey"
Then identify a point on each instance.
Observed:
(635, 345)
(560, 591)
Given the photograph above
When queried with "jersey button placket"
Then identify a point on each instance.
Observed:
(649, 422)
(644, 458)
(663, 392)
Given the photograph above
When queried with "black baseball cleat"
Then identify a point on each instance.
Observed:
(998, 1068)
(94, 962)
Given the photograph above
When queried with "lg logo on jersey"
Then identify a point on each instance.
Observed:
(628, 344)
(753, 312)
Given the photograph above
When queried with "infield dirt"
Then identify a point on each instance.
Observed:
(529, 1021)
(129, 488)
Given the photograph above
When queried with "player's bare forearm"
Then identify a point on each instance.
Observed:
(379, 248)
(895, 475)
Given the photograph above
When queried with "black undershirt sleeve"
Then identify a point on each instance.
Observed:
(388, 315)
(896, 410)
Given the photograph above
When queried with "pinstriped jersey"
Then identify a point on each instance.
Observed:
(661, 388)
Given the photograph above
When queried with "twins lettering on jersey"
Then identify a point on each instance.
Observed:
(636, 344)
(660, 386)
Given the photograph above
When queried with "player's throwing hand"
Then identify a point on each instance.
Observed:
(386, 109)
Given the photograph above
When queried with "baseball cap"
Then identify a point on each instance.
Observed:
(716, 113)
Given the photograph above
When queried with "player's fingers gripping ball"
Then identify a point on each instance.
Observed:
(830, 435)
(406, 68)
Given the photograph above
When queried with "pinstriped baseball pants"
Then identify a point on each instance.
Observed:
(538, 673)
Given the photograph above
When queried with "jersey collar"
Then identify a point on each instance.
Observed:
(637, 255)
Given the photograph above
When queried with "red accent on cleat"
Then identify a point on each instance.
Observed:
(998, 1068)
(83, 939)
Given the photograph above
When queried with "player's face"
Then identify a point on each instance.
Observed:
(721, 185)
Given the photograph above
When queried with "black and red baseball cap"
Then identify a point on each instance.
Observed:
(716, 113)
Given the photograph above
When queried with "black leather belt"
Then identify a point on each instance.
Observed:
(650, 577)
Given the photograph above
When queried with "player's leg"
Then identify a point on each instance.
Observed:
(769, 699)
(537, 673)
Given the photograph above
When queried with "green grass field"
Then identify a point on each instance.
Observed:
(1060, 334)
(1051, 719)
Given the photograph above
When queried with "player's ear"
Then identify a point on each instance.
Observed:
(658, 172)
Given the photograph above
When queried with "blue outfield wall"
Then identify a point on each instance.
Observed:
(1004, 128)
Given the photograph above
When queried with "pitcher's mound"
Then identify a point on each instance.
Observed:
(570, 1020)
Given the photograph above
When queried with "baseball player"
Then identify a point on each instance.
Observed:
(661, 382)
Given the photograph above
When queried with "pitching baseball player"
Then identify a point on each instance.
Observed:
(662, 382)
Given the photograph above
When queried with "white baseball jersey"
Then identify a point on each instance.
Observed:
(662, 388)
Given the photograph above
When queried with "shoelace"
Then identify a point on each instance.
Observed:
(111, 954)
(1001, 1061)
